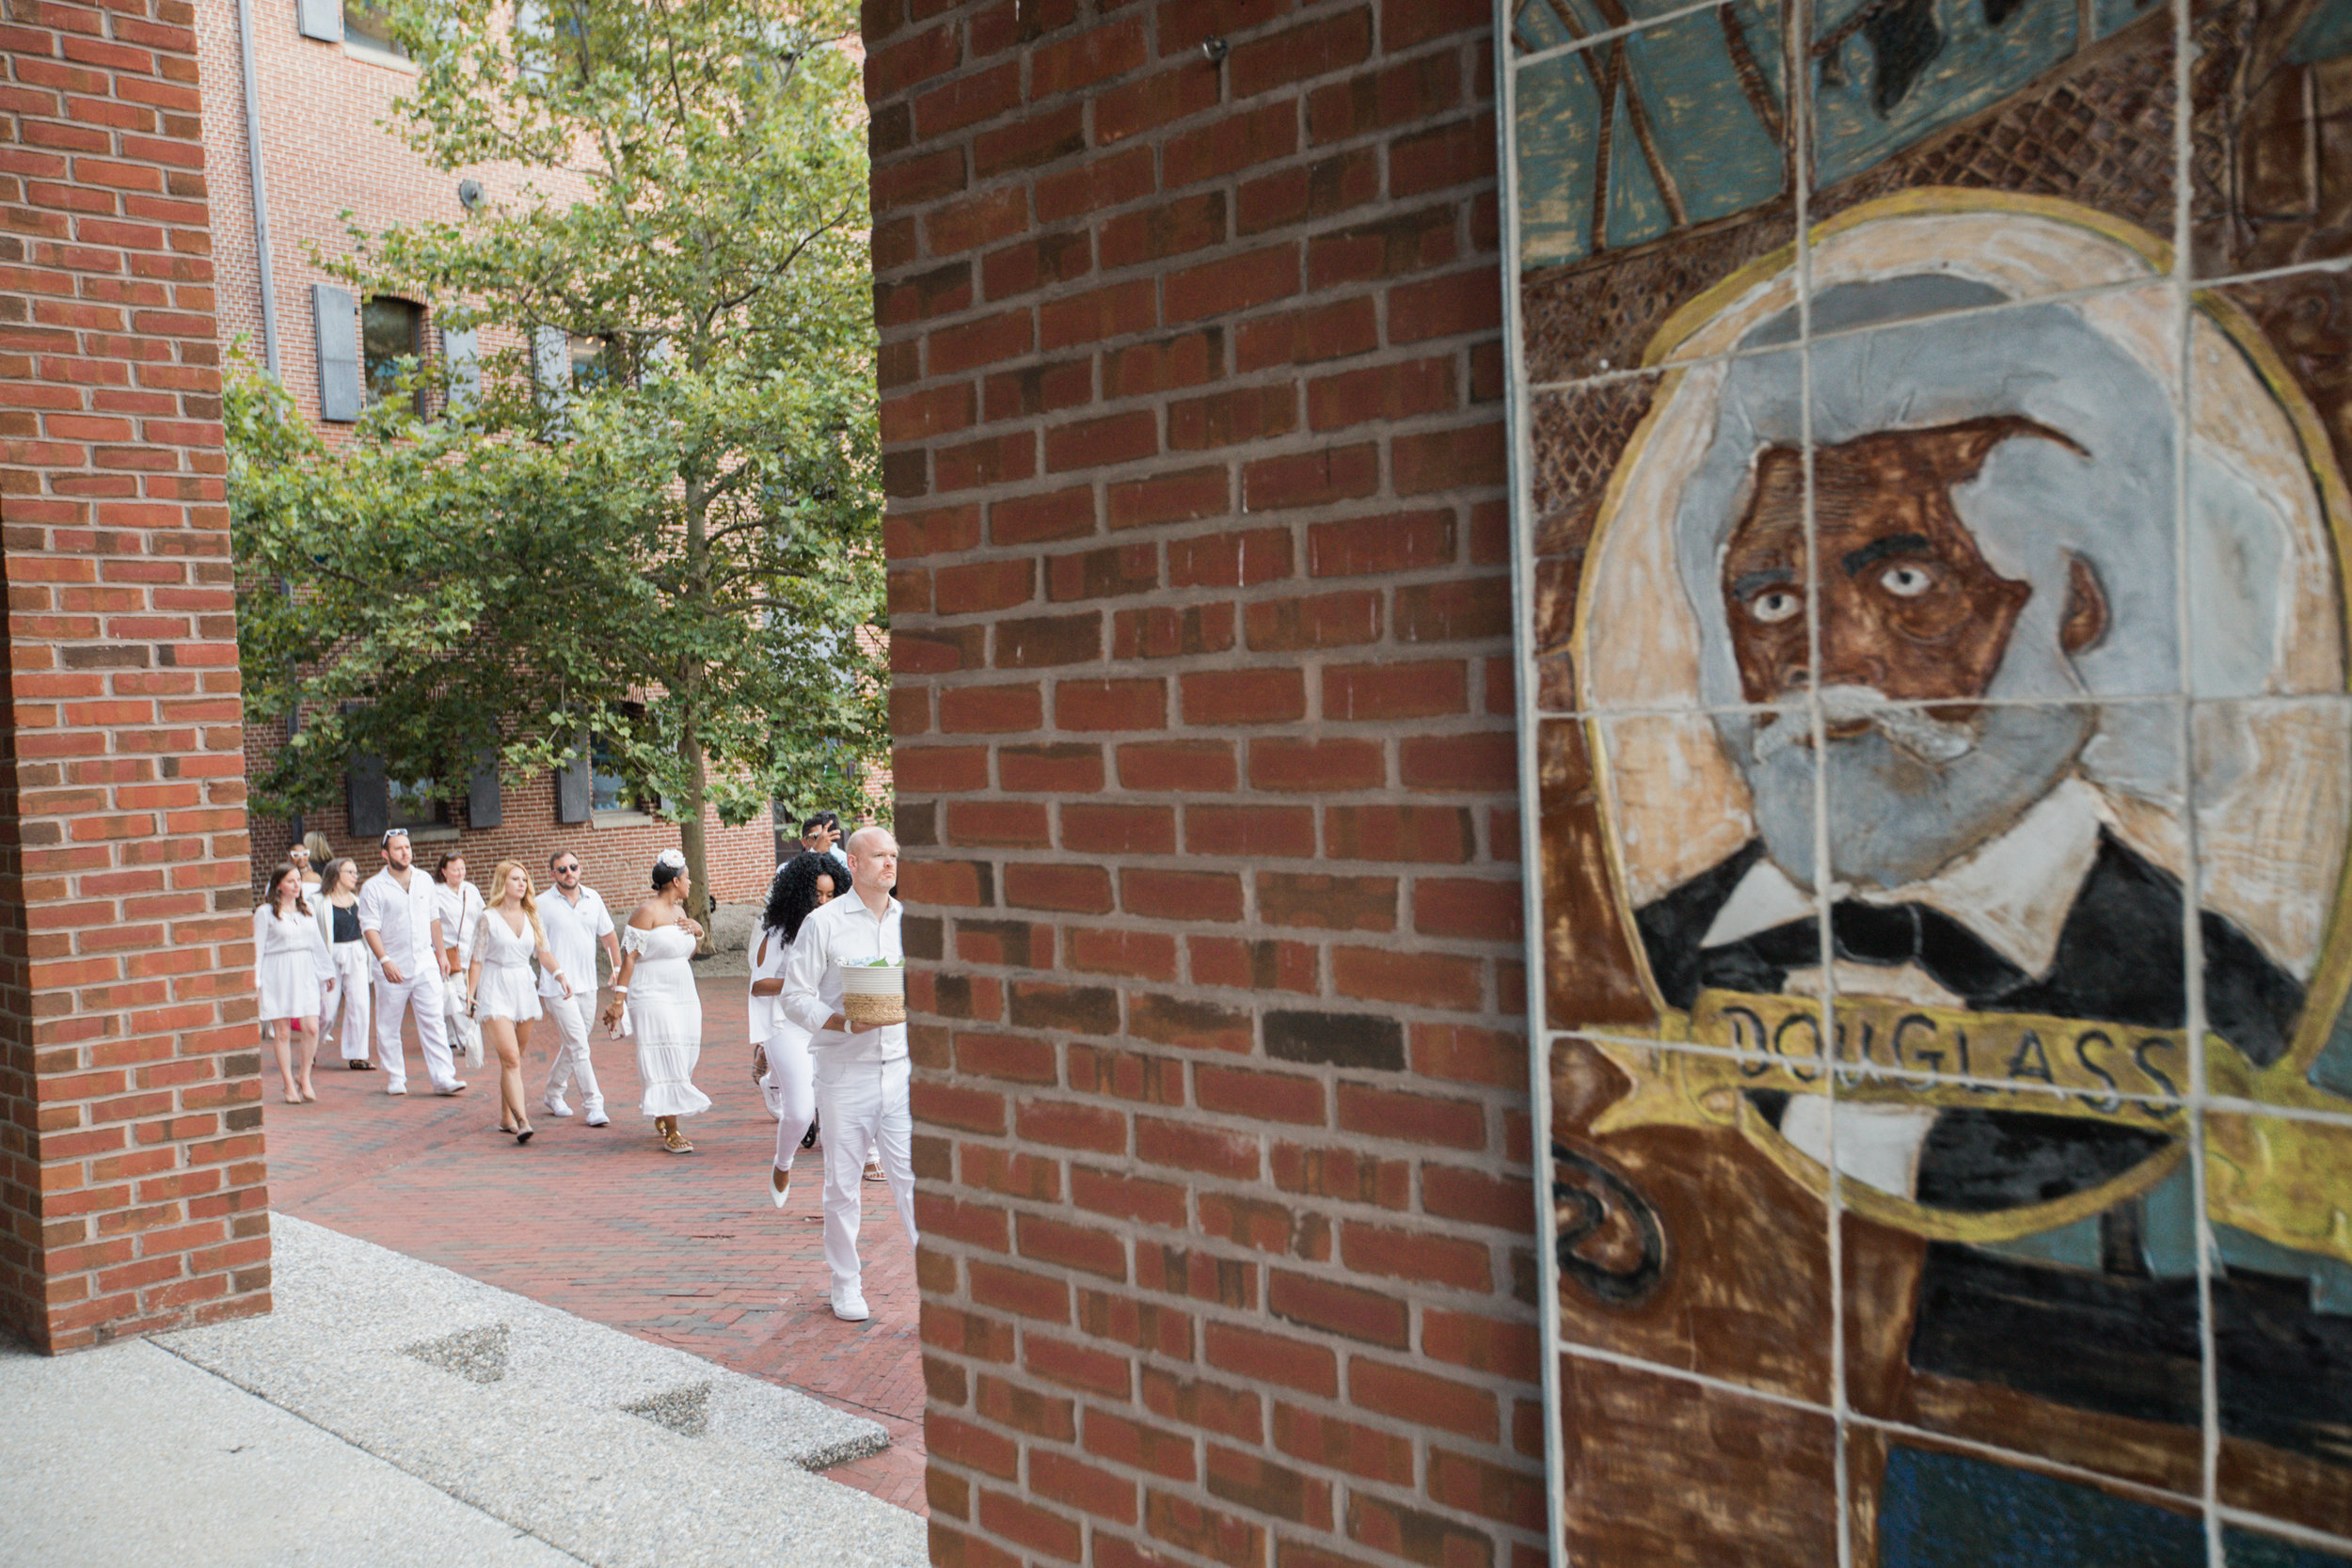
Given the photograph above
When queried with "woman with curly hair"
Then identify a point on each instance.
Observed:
(780, 1060)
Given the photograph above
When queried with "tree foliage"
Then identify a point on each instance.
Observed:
(675, 545)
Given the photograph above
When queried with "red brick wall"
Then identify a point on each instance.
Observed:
(617, 862)
(1191, 396)
(131, 1176)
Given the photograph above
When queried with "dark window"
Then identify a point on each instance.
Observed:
(593, 362)
(390, 331)
(613, 789)
(410, 807)
(368, 25)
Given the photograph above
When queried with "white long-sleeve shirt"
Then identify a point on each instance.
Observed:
(845, 929)
(406, 920)
(460, 910)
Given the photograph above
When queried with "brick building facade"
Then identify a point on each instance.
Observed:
(1201, 623)
(131, 1173)
(323, 106)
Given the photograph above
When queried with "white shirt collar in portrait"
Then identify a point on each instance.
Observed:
(2014, 890)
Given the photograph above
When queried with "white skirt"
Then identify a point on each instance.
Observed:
(289, 984)
(508, 992)
(666, 1014)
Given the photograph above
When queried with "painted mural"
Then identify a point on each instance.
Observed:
(1933, 490)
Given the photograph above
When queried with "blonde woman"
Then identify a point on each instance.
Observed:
(289, 966)
(339, 923)
(502, 994)
(666, 1012)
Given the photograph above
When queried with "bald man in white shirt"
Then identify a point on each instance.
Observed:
(862, 1070)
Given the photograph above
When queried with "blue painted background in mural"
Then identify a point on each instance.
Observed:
(1944, 1510)
(1696, 127)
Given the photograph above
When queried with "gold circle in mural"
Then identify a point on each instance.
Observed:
(1973, 600)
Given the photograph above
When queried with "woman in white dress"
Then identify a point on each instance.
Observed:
(339, 923)
(289, 963)
(780, 1061)
(458, 902)
(655, 989)
(501, 993)
(306, 865)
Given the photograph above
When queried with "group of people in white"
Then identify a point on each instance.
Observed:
(477, 972)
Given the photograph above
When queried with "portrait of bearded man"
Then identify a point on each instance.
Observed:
(1990, 591)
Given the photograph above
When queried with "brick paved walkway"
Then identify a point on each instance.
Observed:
(683, 1249)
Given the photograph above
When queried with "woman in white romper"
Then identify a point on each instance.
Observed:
(780, 1060)
(501, 993)
(290, 963)
(655, 991)
(339, 923)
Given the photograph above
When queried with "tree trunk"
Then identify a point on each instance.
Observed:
(693, 841)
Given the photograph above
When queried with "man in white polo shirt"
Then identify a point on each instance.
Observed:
(861, 1068)
(401, 925)
(576, 921)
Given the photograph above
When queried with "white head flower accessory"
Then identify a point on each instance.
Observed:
(673, 858)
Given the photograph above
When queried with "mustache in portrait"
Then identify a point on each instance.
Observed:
(1909, 794)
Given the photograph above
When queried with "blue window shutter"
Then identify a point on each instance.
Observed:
(576, 786)
(462, 359)
(483, 808)
(336, 314)
(367, 802)
(321, 20)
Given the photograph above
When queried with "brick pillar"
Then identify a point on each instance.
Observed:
(1201, 606)
(131, 1171)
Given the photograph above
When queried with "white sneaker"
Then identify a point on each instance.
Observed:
(597, 1118)
(456, 1088)
(850, 1308)
(555, 1105)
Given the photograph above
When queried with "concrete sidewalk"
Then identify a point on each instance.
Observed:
(390, 1412)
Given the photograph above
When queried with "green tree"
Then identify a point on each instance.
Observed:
(651, 509)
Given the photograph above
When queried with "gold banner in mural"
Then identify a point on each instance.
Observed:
(2275, 1176)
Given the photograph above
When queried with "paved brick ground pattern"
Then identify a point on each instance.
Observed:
(682, 1249)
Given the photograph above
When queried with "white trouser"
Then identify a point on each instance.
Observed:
(351, 995)
(865, 1107)
(569, 1014)
(791, 1090)
(423, 992)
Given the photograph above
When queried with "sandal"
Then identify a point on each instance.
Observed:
(676, 1142)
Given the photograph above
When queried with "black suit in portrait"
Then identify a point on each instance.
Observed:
(2118, 1339)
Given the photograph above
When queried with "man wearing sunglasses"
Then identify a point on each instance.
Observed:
(577, 922)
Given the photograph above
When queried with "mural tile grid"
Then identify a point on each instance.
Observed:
(1919, 613)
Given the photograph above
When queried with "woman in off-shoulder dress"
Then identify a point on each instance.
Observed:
(655, 988)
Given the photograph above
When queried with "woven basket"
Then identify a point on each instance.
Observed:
(873, 993)
(874, 1009)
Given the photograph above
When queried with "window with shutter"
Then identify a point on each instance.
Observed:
(368, 24)
(392, 336)
(336, 316)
